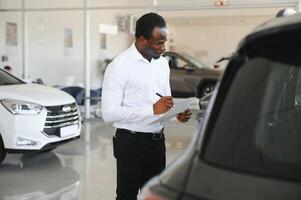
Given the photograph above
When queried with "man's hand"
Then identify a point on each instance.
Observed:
(163, 105)
(184, 116)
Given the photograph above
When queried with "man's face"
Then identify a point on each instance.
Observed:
(155, 45)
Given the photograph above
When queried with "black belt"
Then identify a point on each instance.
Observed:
(154, 135)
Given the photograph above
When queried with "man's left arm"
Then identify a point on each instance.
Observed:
(184, 116)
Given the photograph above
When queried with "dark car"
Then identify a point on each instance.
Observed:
(248, 145)
(187, 74)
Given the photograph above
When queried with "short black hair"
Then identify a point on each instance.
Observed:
(147, 23)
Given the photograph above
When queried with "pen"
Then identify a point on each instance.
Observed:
(159, 94)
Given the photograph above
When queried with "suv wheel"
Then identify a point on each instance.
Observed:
(2, 150)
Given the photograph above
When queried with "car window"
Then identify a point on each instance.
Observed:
(196, 61)
(7, 79)
(258, 128)
(176, 63)
(182, 63)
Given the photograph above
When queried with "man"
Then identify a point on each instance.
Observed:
(133, 82)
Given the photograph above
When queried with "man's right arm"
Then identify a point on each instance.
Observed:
(112, 95)
(163, 105)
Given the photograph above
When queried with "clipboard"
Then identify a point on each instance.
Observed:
(175, 110)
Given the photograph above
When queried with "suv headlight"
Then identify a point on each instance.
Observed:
(17, 107)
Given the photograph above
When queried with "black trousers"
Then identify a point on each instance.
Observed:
(139, 157)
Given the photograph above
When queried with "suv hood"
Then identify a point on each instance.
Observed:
(35, 93)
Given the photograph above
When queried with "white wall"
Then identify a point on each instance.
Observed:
(209, 42)
(231, 2)
(11, 4)
(212, 34)
(115, 43)
(15, 58)
(53, 3)
(120, 3)
(46, 58)
(45, 52)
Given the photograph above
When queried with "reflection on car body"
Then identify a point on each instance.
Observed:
(34, 166)
(248, 145)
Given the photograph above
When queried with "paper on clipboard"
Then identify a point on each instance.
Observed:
(178, 108)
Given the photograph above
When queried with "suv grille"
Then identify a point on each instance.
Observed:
(59, 117)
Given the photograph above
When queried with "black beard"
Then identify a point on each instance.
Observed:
(156, 57)
(151, 53)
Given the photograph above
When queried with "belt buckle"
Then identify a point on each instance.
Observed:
(156, 136)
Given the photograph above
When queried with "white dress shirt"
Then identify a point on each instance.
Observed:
(129, 90)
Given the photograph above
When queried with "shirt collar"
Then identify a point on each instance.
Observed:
(136, 54)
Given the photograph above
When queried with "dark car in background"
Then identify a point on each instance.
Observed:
(248, 146)
(187, 75)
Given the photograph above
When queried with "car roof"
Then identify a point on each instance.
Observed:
(271, 27)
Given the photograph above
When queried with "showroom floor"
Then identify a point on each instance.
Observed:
(83, 169)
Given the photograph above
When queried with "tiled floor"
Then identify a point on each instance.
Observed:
(83, 169)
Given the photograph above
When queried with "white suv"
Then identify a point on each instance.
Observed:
(34, 117)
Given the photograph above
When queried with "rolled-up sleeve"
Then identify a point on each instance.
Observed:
(112, 95)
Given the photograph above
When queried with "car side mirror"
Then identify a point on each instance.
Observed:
(204, 93)
(203, 104)
(205, 87)
(188, 68)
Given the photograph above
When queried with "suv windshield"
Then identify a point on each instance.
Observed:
(258, 126)
(7, 79)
